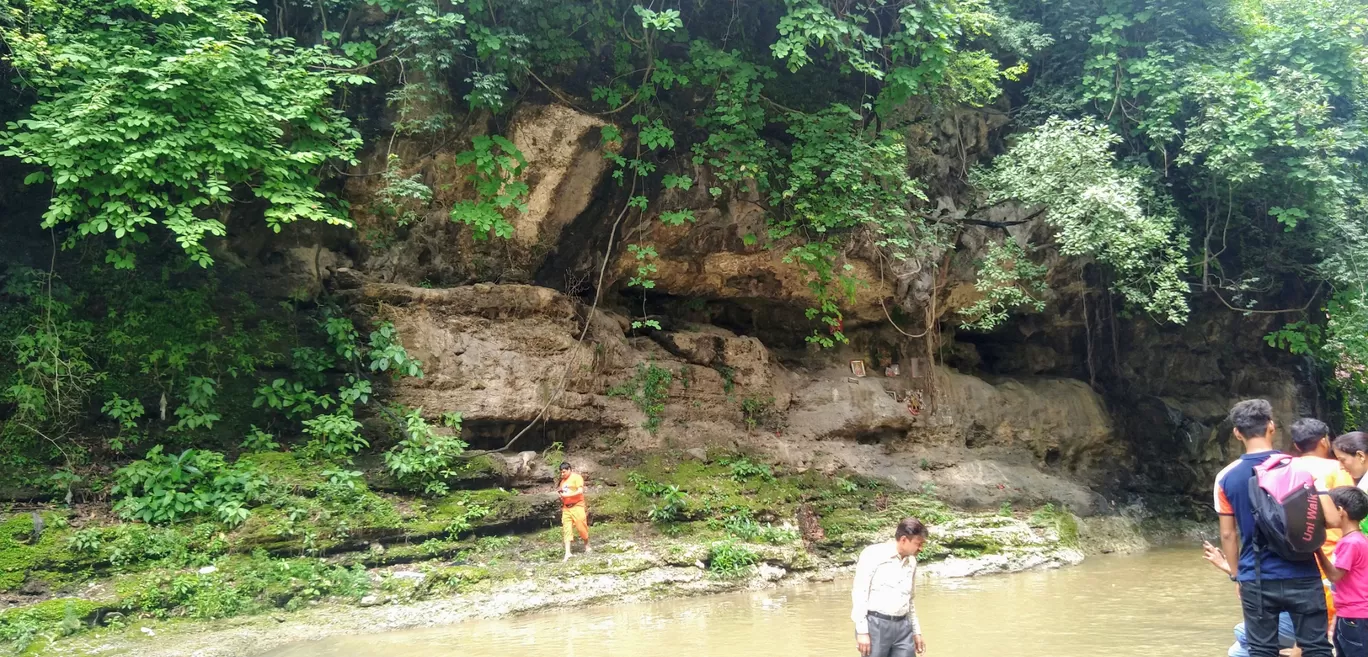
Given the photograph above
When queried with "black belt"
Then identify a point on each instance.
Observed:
(886, 616)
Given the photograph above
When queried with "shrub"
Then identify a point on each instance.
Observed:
(424, 458)
(743, 469)
(730, 559)
(757, 412)
(335, 434)
(670, 500)
(164, 488)
(648, 389)
(670, 506)
(742, 526)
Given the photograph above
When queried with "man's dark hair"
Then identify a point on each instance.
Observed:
(1251, 417)
(1308, 431)
(1352, 443)
(910, 527)
(1352, 501)
(565, 465)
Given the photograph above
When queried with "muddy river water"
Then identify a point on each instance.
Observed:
(1160, 603)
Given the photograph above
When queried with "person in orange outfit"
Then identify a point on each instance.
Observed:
(1311, 437)
(574, 512)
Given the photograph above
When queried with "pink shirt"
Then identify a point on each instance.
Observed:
(1351, 592)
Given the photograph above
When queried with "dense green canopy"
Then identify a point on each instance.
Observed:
(1189, 148)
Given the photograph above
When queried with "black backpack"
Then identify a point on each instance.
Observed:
(1287, 509)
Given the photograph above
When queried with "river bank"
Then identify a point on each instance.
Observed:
(662, 529)
(619, 572)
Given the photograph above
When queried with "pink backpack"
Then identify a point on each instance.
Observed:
(1287, 509)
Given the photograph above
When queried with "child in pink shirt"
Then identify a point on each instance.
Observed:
(1348, 571)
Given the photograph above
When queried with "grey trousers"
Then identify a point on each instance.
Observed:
(890, 638)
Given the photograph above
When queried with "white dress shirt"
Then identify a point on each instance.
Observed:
(884, 583)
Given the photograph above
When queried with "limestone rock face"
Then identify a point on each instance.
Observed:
(565, 162)
(565, 168)
(1076, 404)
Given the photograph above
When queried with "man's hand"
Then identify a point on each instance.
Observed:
(919, 643)
(862, 643)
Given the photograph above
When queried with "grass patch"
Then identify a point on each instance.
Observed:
(1064, 523)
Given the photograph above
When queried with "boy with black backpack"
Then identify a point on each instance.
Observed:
(1276, 569)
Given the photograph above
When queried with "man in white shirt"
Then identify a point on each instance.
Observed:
(881, 602)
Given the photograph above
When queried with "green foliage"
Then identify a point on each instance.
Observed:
(742, 526)
(425, 458)
(463, 522)
(670, 506)
(913, 49)
(59, 617)
(841, 177)
(51, 370)
(164, 488)
(257, 440)
(336, 434)
(645, 270)
(195, 413)
(554, 456)
(1298, 337)
(157, 114)
(669, 501)
(106, 360)
(729, 559)
(648, 388)
(126, 412)
(744, 469)
(1345, 351)
(1100, 210)
(401, 198)
(756, 411)
(387, 354)
(1007, 279)
(1058, 519)
(497, 164)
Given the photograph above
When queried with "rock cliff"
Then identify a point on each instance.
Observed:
(1075, 404)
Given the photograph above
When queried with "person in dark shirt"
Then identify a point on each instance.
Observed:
(1266, 583)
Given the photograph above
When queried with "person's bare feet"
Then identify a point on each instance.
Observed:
(567, 557)
(587, 550)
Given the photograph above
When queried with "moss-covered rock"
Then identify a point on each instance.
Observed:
(56, 617)
(286, 469)
(48, 558)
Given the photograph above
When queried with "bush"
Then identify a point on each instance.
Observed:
(59, 617)
(671, 501)
(164, 488)
(335, 434)
(670, 506)
(648, 389)
(743, 469)
(730, 559)
(757, 411)
(424, 458)
(742, 526)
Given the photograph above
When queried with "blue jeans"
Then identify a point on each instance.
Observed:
(1351, 637)
(1285, 637)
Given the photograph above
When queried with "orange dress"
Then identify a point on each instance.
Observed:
(574, 513)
